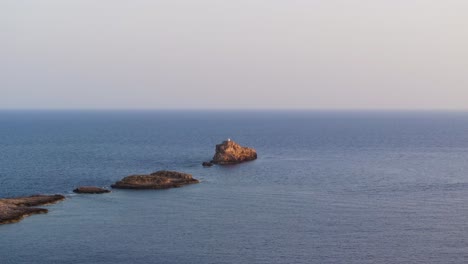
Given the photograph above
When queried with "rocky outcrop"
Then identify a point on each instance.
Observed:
(156, 180)
(229, 152)
(14, 209)
(90, 190)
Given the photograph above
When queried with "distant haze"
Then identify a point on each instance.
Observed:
(238, 54)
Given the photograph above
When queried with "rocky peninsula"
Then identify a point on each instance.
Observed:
(229, 152)
(12, 210)
(156, 180)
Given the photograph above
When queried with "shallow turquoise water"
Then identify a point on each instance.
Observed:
(328, 187)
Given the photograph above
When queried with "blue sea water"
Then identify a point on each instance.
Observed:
(328, 187)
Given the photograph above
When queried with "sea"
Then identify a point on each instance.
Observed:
(347, 187)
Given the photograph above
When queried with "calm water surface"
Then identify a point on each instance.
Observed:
(328, 187)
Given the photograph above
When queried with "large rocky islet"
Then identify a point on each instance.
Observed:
(229, 152)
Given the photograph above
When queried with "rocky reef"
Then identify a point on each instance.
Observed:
(13, 210)
(229, 152)
(156, 180)
(90, 190)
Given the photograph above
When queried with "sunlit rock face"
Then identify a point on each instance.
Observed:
(229, 152)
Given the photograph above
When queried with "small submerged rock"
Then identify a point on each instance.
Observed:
(12, 210)
(156, 180)
(207, 164)
(229, 152)
(90, 190)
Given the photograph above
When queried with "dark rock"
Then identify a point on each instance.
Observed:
(156, 180)
(90, 190)
(12, 210)
(207, 164)
(229, 152)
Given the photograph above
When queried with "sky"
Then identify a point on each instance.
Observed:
(237, 54)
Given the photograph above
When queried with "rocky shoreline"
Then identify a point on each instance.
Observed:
(13, 210)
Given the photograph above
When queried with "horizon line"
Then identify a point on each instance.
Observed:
(245, 109)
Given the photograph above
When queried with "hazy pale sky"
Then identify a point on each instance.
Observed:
(318, 54)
